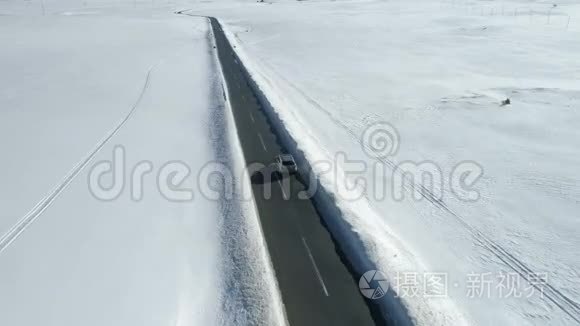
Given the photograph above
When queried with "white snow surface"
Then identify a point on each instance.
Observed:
(71, 72)
(437, 71)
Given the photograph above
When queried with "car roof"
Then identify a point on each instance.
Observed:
(286, 157)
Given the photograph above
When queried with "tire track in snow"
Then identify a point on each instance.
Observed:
(27, 220)
(567, 305)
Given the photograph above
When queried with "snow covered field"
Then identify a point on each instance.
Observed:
(71, 73)
(437, 71)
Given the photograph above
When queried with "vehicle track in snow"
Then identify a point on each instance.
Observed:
(566, 304)
(28, 219)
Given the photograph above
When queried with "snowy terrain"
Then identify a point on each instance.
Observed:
(72, 72)
(437, 71)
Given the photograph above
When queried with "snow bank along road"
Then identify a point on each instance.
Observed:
(432, 69)
(76, 87)
(317, 289)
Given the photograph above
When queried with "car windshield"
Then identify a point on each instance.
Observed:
(288, 162)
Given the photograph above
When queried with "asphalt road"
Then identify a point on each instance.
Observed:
(317, 288)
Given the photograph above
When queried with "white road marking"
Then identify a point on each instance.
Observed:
(262, 141)
(315, 267)
(252, 117)
(282, 187)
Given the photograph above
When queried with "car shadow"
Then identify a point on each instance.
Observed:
(268, 174)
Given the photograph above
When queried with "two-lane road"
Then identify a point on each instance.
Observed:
(317, 288)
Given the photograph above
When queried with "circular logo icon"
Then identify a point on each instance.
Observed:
(373, 284)
(380, 140)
